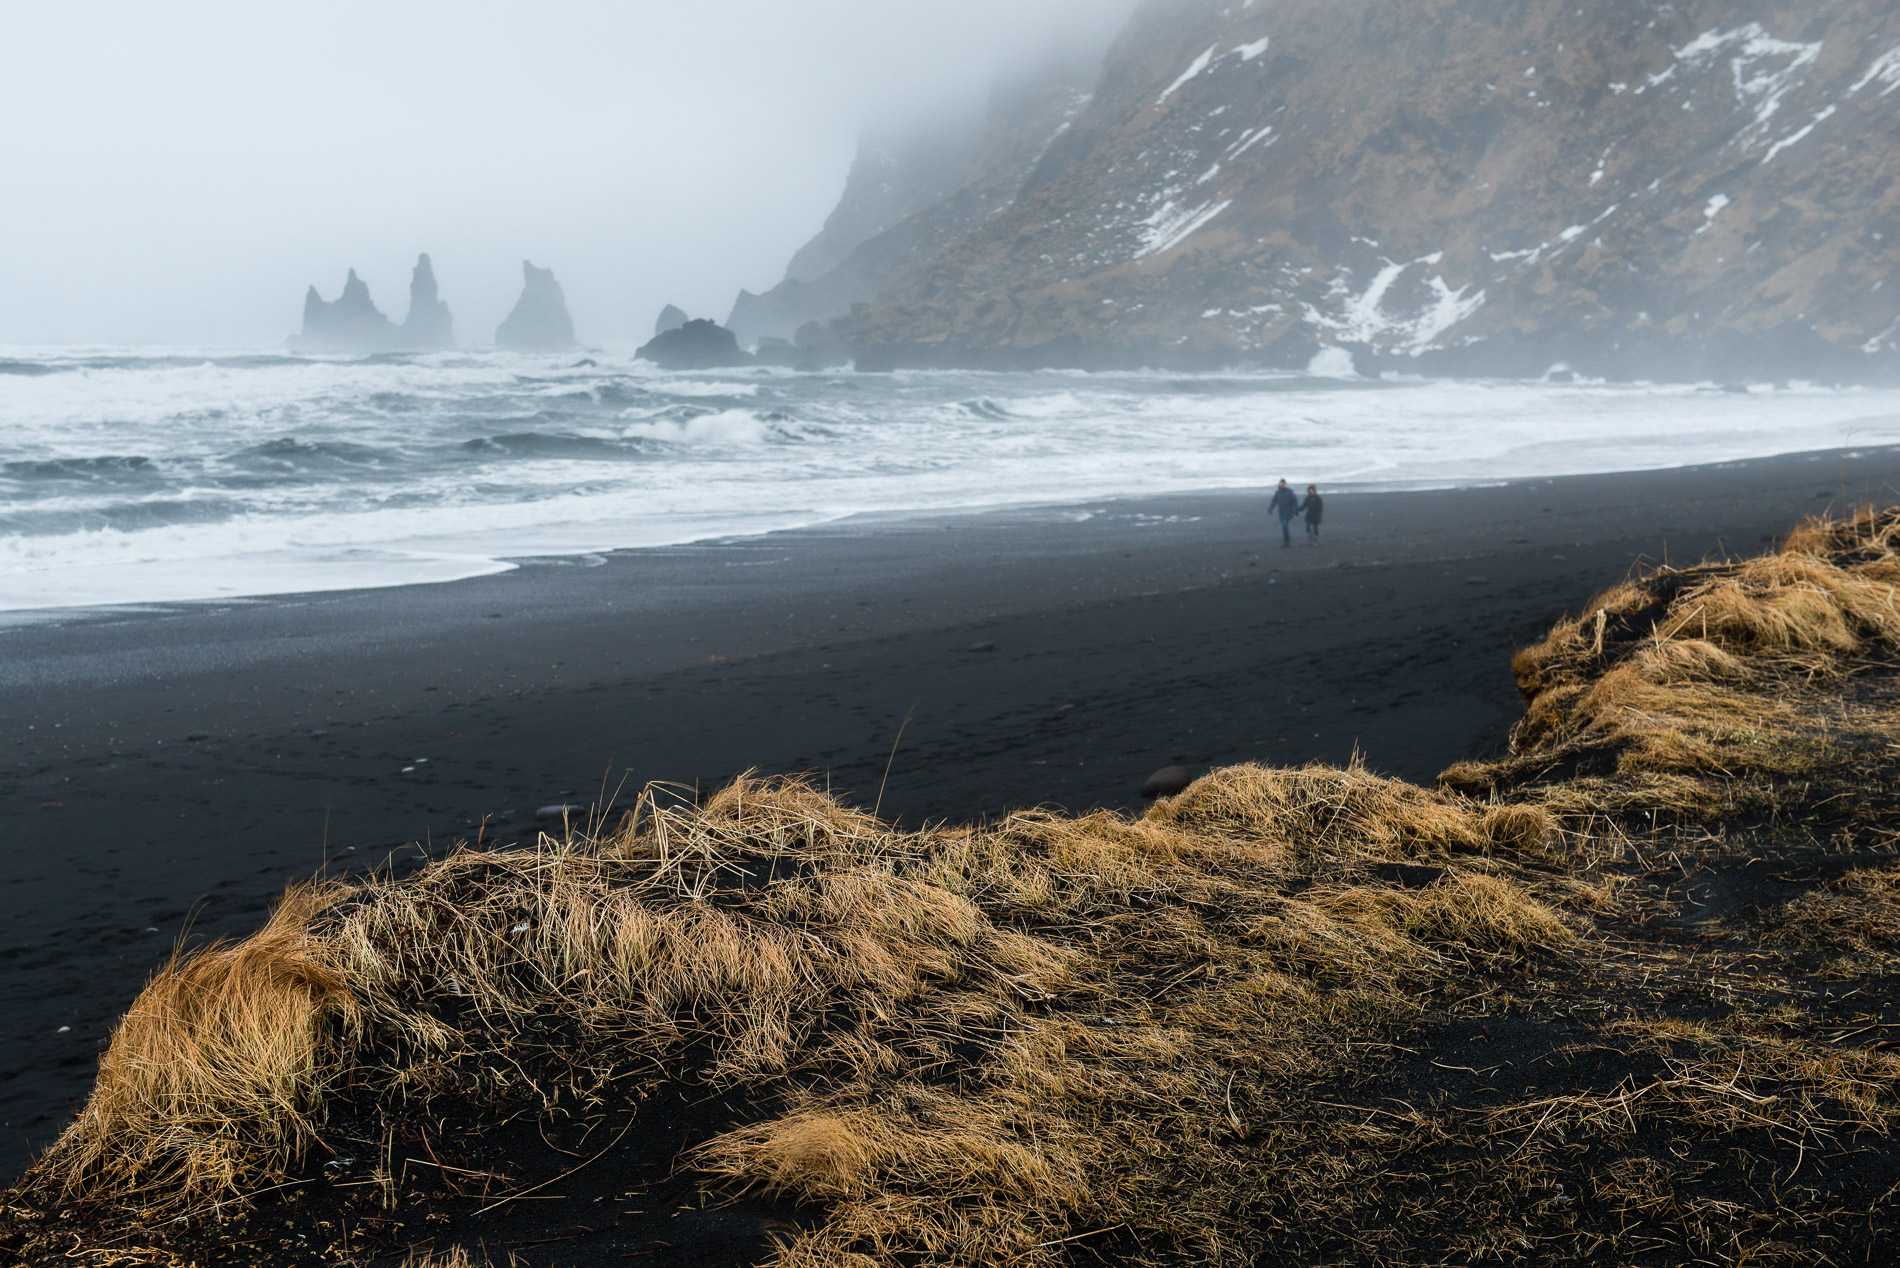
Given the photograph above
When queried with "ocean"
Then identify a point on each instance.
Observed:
(136, 476)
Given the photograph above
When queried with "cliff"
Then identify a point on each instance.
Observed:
(905, 205)
(1631, 188)
(539, 321)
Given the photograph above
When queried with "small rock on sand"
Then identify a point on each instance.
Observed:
(1167, 781)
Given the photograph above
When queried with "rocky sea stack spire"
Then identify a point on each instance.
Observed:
(353, 323)
(539, 321)
(428, 324)
(349, 323)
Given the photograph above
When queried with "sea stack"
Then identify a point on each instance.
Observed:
(672, 317)
(539, 321)
(349, 323)
(428, 325)
(697, 345)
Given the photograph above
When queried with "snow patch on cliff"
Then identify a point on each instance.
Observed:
(1198, 67)
(1764, 68)
(1173, 224)
(1363, 318)
(1249, 139)
(1886, 69)
(1800, 135)
(1195, 67)
(1881, 341)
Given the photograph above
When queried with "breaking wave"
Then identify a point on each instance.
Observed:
(132, 477)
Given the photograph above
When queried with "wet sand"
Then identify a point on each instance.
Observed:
(170, 769)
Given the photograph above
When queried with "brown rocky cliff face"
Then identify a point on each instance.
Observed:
(900, 214)
(1629, 187)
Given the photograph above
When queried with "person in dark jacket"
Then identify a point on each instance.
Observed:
(1314, 505)
(1286, 504)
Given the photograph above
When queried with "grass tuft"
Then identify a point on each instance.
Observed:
(215, 1075)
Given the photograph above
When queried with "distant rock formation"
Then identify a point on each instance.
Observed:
(539, 321)
(349, 323)
(671, 318)
(353, 323)
(697, 345)
(428, 325)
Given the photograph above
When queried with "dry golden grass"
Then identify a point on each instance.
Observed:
(1323, 813)
(1858, 913)
(1725, 1079)
(217, 1064)
(1103, 990)
(1708, 692)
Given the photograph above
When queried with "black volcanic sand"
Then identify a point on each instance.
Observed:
(172, 768)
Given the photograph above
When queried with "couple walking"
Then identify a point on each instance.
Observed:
(1287, 504)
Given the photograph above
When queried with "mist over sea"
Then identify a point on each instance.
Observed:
(134, 477)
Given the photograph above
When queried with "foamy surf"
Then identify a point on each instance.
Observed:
(129, 477)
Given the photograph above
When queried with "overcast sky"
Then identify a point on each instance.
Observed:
(179, 173)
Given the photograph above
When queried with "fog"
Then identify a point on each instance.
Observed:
(179, 174)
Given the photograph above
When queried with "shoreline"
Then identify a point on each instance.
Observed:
(665, 472)
(178, 765)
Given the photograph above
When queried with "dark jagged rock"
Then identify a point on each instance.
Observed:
(539, 321)
(349, 323)
(428, 325)
(698, 345)
(671, 318)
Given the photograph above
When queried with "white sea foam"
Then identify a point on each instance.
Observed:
(131, 478)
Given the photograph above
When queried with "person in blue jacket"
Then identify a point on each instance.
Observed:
(1286, 504)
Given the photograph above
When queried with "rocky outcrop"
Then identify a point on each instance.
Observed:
(671, 318)
(539, 321)
(352, 322)
(697, 345)
(349, 323)
(429, 325)
(1696, 189)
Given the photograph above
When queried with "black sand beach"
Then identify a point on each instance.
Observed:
(173, 768)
